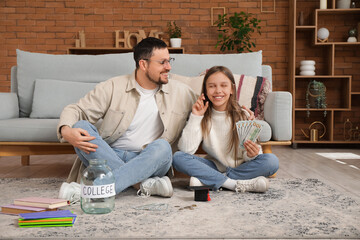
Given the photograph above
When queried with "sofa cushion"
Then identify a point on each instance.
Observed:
(239, 63)
(266, 132)
(79, 68)
(278, 113)
(9, 107)
(51, 96)
(194, 82)
(28, 130)
(252, 92)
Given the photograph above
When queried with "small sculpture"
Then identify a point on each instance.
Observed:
(314, 132)
(351, 133)
(323, 35)
(352, 34)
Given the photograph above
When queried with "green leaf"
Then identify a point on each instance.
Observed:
(235, 31)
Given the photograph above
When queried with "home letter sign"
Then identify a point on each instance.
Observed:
(127, 39)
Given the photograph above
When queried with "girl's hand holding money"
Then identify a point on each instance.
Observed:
(199, 108)
(251, 148)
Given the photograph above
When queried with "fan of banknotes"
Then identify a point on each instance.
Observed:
(248, 130)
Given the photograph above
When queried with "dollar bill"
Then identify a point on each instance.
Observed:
(248, 130)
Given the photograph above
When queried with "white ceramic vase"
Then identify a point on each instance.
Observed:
(307, 68)
(343, 4)
(352, 39)
(175, 42)
(323, 4)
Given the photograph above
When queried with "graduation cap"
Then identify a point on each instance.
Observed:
(201, 193)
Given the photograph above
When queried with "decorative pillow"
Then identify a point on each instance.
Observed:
(194, 82)
(252, 92)
(51, 96)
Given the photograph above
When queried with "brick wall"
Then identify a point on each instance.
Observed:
(50, 26)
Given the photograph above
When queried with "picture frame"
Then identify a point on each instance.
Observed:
(267, 11)
(219, 10)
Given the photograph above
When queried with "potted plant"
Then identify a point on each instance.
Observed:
(316, 96)
(174, 32)
(235, 31)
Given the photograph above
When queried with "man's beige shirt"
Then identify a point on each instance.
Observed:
(115, 102)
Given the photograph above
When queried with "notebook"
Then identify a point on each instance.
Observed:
(41, 202)
(16, 209)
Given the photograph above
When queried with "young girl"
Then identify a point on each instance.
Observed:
(213, 122)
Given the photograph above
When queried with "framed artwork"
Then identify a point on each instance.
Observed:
(215, 11)
(267, 6)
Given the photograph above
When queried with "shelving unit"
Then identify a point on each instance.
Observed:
(337, 66)
(102, 50)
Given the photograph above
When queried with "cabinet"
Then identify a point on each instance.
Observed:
(337, 67)
(102, 50)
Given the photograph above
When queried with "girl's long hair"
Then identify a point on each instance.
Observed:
(233, 109)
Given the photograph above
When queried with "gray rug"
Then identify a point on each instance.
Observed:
(292, 208)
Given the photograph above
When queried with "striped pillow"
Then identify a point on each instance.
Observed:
(252, 92)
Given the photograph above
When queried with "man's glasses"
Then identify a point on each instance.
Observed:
(162, 62)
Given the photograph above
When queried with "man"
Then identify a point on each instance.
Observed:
(142, 115)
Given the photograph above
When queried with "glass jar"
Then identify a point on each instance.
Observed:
(97, 188)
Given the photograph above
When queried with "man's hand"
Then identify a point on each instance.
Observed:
(251, 148)
(199, 108)
(251, 113)
(79, 138)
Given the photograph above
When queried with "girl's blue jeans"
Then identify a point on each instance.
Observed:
(128, 167)
(206, 171)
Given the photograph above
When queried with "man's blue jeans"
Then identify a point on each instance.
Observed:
(207, 172)
(128, 167)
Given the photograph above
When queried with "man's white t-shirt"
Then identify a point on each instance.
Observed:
(146, 125)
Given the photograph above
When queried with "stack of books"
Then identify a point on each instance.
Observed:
(33, 204)
(61, 218)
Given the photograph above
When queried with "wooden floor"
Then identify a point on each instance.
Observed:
(342, 175)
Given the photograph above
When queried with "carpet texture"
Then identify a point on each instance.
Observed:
(292, 208)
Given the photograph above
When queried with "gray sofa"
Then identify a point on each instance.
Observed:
(42, 84)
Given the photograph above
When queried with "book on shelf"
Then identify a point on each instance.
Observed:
(16, 209)
(41, 202)
(61, 218)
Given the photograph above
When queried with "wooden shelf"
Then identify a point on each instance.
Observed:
(338, 43)
(321, 76)
(323, 109)
(334, 11)
(110, 50)
(337, 64)
(305, 27)
(328, 142)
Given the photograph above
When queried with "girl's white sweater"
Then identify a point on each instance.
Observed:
(215, 144)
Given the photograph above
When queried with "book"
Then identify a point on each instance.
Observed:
(50, 203)
(47, 225)
(46, 222)
(248, 130)
(16, 209)
(48, 214)
(61, 218)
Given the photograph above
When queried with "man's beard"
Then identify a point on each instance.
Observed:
(159, 82)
